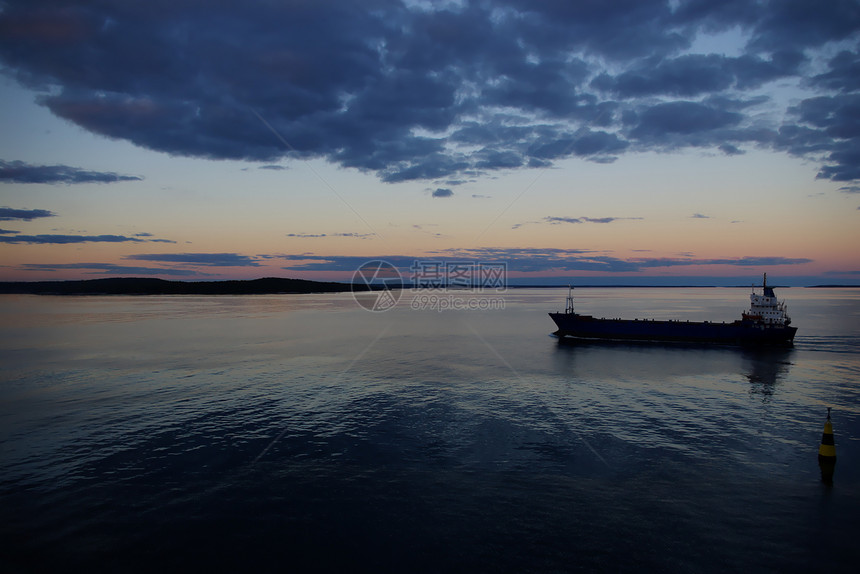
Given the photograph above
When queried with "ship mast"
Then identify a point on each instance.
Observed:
(568, 308)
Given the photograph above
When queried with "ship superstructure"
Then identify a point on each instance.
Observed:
(765, 307)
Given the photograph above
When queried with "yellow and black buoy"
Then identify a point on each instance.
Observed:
(827, 452)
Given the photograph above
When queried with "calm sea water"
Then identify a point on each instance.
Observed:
(303, 433)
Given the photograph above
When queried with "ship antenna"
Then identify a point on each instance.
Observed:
(764, 281)
(569, 306)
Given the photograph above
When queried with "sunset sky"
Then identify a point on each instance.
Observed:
(635, 141)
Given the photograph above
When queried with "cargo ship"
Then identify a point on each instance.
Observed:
(766, 323)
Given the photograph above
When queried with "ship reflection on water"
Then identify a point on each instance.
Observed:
(763, 367)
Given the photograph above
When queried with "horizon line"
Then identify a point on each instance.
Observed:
(547, 283)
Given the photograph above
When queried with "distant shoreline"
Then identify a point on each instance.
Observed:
(265, 286)
(148, 286)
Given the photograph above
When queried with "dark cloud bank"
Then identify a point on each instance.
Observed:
(68, 239)
(531, 260)
(411, 93)
(519, 260)
(20, 172)
(11, 214)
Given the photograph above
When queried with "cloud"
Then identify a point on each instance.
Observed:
(736, 262)
(20, 172)
(694, 75)
(316, 235)
(149, 235)
(9, 214)
(312, 262)
(422, 228)
(730, 149)
(843, 75)
(683, 123)
(195, 259)
(67, 239)
(355, 235)
(553, 144)
(700, 216)
(555, 220)
(273, 167)
(529, 260)
(442, 192)
(420, 91)
(106, 269)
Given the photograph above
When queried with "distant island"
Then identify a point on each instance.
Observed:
(148, 286)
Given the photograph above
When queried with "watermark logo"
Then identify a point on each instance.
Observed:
(376, 285)
(436, 285)
(471, 275)
(430, 301)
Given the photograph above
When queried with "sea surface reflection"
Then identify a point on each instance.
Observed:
(304, 433)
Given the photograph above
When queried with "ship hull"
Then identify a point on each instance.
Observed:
(735, 333)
